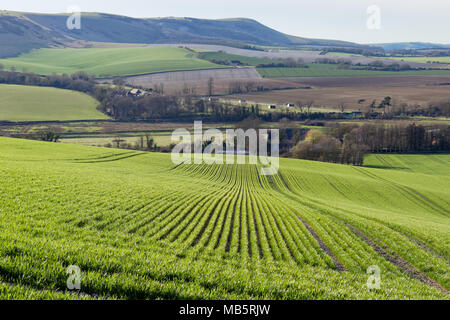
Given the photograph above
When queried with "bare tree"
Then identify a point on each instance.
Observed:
(249, 86)
(150, 142)
(360, 102)
(119, 81)
(118, 141)
(186, 89)
(309, 104)
(211, 86)
(300, 105)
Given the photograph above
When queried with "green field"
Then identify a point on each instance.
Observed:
(342, 54)
(419, 59)
(424, 59)
(140, 227)
(331, 70)
(27, 103)
(108, 62)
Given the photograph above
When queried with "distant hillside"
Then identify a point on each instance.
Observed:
(411, 46)
(21, 32)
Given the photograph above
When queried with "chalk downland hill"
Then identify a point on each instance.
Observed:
(25, 31)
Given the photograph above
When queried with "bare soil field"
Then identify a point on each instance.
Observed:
(370, 81)
(198, 79)
(175, 82)
(197, 75)
(331, 92)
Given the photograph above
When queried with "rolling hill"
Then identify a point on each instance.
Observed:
(108, 62)
(140, 227)
(411, 46)
(27, 103)
(20, 32)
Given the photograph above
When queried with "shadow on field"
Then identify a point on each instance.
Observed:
(386, 167)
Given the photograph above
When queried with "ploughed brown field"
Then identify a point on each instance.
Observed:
(176, 82)
(333, 91)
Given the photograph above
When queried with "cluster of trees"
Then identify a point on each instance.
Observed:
(400, 138)
(349, 143)
(378, 51)
(326, 61)
(48, 134)
(226, 62)
(421, 52)
(237, 87)
(175, 108)
(387, 108)
(79, 81)
(321, 147)
(434, 109)
(374, 65)
(284, 63)
(381, 66)
(142, 143)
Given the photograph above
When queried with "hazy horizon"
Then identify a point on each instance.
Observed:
(345, 19)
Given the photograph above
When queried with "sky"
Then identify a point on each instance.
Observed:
(350, 20)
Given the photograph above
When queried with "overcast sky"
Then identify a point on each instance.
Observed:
(401, 20)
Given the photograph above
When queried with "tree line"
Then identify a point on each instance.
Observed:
(349, 144)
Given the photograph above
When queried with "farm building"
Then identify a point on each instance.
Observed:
(135, 93)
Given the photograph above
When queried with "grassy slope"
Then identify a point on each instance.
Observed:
(27, 103)
(424, 59)
(152, 243)
(412, 59)
(108, 62)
